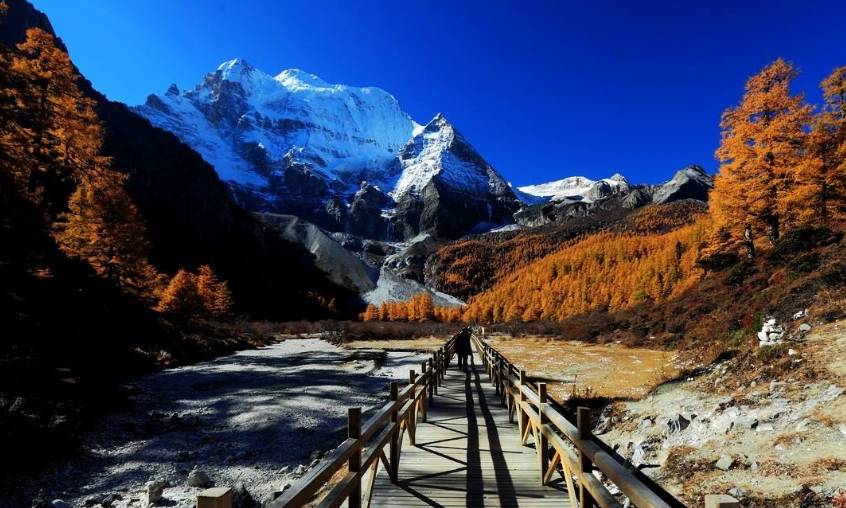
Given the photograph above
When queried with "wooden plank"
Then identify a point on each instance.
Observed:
(467, 458)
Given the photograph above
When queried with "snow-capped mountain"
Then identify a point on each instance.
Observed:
(293, 143)
(578, 196)
(576, 188)
(250, 125)
(447, 187)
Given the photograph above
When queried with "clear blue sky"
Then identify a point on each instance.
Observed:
(544, 89)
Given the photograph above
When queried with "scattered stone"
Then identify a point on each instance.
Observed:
(792, 352)
(677, 424)
(765, 427)
(59, 503)
(314, 463)
(754, 465)
(285, 470)
(738, 492)
(802, 313)
(109, 499)
(724, 463)
(770, 334)
(198, 478)
(155, 490)
(745, 423)
(805, 327)
(639, 454)
(843, 429)
(299, 471)
(241, 497)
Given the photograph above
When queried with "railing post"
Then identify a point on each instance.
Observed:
(543, 441)
(433, 381)
(424, 392)
(501, 377)
(412, 417)
(394, 446)
(354, 462)
(583, 425)
(495, 368)
(522, 417)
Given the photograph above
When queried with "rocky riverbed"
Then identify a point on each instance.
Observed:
(255, 420)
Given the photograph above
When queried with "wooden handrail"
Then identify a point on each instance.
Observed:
(577, 450)
(362, 452)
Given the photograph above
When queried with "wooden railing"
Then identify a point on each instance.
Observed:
(576, 451)
(359, 456)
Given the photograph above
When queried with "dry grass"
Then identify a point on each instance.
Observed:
(821, 466)
(572, 367)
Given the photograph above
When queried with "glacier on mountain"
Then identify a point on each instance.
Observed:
(293, 143)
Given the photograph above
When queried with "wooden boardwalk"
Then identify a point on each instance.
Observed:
(467, 454)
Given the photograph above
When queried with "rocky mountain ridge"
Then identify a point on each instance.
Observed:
(558, 201)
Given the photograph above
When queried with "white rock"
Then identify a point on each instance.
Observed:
(802, 313)
(724, 463)
(792, 352)
(300, 470)
(738, 492)
(198, 478)
(155, 490)
(764, 427)
(843, 429)
(59, 503)
(804, 327)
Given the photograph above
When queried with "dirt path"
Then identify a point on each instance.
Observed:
(252, 417)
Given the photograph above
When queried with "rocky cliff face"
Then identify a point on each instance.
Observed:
(292, 143)
(449, 184)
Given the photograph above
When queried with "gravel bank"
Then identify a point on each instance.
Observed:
(252, 417)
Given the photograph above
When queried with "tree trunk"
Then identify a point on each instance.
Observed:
(748, 243)
(772, 222)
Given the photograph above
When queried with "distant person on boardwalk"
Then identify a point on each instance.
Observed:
(462, 347)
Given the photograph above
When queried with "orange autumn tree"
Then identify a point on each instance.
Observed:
(213, 292)
(103, 227)
(763, 142)
(53, 133)
(602, 272)
(51, 139)
(418, 308)
(820, 187)
(196, 295)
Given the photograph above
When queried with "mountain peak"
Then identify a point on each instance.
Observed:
(232, 70)
(297, 78)
(439, 120)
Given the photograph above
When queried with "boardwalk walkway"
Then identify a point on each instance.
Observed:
(467, 454)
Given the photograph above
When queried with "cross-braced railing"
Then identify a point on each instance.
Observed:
(576, 453)
(358, 458)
